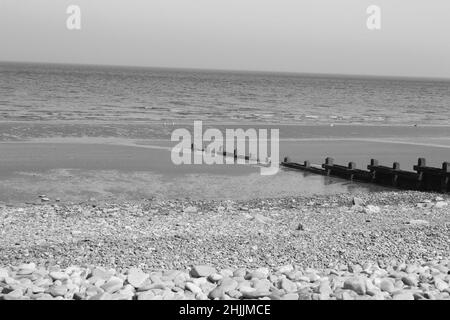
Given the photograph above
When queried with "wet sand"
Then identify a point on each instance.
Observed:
(80, 171)
(72, 171)
(81, 161)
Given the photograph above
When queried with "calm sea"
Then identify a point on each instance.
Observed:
(97, 93)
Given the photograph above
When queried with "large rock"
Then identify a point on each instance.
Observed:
(440, 284)
(193, 288)
(202, 271)
(387, 285)
(101, 273)
(121, 296)
(190, 209)
(290, 296)
(227, 273)
(418, 222)
(228, 284)
(252, 293)
(403, 295)
(261, 219)
(425, 205)
(102, 296)
(44, 296)
(14, 295)
(235, 294)
(410, 280)
(58, 291)
(346, 295)
(114, 284)
(217, 293)
(260, 273)
(441, 204)
(261, 284)
(358, 202)
(58, 275)
(26, 268)
(288, 285)
(285, 269)
(356, 284)
(136, 277)
(370, 209)
(325, 289)
(3, 274)
(215, 277)
(146, 295)
(241, 272)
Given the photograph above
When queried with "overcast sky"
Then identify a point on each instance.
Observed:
(314, 36)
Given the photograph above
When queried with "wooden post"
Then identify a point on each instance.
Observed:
(373, 163)
(307, 164)
(395, 166)
(421, 163)
(330, 162)
(351, 166)
(445, 176)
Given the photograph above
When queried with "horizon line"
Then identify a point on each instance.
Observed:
(312, 74)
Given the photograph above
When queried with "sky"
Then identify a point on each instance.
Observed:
(307, 36)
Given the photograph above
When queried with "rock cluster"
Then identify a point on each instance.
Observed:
(399, 281)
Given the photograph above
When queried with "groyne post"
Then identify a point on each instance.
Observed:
(351, 166)
(329, 162)
(445, 177)
(395, 167)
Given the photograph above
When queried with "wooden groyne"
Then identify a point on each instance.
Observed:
(234, 155)
(422, 178)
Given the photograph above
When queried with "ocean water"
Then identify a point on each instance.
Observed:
(76, 132)
(34, 92)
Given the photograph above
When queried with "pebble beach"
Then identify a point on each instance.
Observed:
(380, 245)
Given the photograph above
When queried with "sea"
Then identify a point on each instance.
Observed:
(49, 92)
(77, 132)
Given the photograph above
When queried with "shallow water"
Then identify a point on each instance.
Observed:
(71, 172)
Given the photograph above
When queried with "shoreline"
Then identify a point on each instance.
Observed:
(189, 122)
